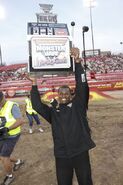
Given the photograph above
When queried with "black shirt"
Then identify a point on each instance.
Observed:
(70, 130)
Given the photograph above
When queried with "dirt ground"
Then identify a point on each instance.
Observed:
(106, 123)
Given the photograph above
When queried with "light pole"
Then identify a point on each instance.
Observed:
(91, 4)
(72, 34)
(121, 43)
(84, 29)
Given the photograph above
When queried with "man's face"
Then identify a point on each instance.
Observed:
(2, 102)
(64, 95)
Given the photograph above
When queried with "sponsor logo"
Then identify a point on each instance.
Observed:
(118, 85)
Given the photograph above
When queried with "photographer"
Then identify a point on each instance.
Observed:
(10, 130)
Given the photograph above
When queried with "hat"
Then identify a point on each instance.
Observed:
(1, 95)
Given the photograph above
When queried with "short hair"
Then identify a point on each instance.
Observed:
(1, 95)
(64, 87)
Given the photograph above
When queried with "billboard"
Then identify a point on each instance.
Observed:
(90, 53)
(49, 47)
(50, 53)
(47, 29)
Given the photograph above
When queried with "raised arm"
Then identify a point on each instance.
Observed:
(40, 107)
(82, 89)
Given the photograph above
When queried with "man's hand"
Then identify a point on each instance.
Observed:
(74, 53)
(33, 79)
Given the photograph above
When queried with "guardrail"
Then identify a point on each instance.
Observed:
(102, 82)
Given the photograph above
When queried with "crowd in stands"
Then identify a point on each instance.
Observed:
(105, 64)
(13, 72)
(95, 65)
(11, 75)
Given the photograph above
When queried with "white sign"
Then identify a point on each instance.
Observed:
(50, 52)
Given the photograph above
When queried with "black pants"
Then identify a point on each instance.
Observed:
(79, 163)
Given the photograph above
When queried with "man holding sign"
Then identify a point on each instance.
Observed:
(70, 129)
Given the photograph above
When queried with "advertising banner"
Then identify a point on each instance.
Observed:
(34, 28)
(50, 52)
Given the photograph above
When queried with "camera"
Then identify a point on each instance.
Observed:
(3, 131)
(2, 121)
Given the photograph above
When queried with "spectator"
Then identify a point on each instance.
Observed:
(32, 114)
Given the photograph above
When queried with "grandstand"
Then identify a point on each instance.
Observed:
(12, 72)
(105, 64)
(103, 73)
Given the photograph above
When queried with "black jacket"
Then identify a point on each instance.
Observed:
(70, 130)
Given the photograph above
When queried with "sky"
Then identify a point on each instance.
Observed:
(106, 18)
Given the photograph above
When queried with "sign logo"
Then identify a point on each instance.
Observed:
(50, 52)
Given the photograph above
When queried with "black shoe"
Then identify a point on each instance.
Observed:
(8, 180)
(17, 166)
